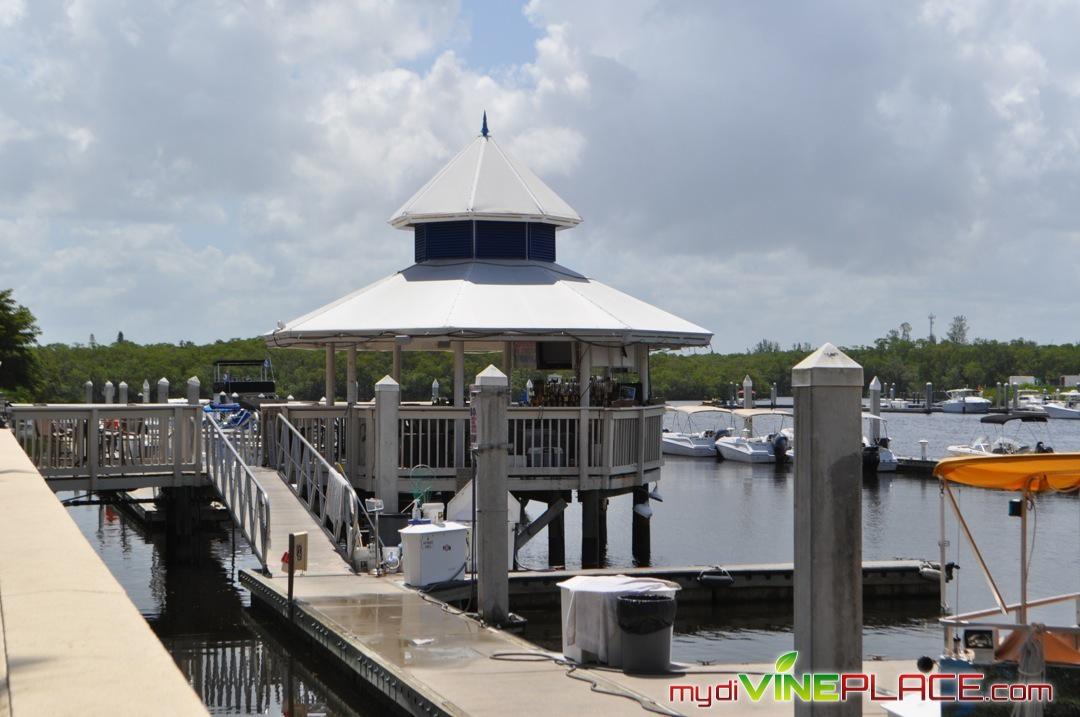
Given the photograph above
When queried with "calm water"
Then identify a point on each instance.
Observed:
(238, 664)
(712, 513)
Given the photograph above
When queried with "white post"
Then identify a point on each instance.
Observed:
(460, 427)
(163, 390)
(998, 398)
(923, 443)
(493, 588)
(350, 375)
(331, 375)
(146, 391)
(88, 388)
(1024, 558)
(395, 372)
(748, 392)
(875, 409)
(827, 387)
(387, 402)
(929, 397)
(1016, 396)
(109, 392)
(123, 393)
(892, 390)
(193, 386)
(772, 396)
(643, 372)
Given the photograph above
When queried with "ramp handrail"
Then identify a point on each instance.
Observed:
(234, 482)
(321, 487)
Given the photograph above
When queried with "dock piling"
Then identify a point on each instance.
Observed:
(109, 392)
(875, 409)
(827, 388)
(163, 390)
(123, 393)
(146, 391)
(387, 401)
(772, 396)
(490, 404)
(748, 392)
(88, 389)
(640, 533)
(193, 387)
(556, 537)
(929, 397)
(590, 528)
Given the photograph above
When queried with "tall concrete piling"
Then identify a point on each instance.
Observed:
(490, 398)
(875, 409)
(640, 531)
(748, 392)
(556, 536)
(193, 388)
(123, 393)
(109, 392)
(163, 390)
(772, 396)
(387, 405)
(827, 387)
(929, 397)
(997, 395)
(1016, 396)
(146, 391)
(88, 391)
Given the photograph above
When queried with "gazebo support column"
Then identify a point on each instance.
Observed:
(590, 499)
(395, 372)
(330, 375)
(460, 428)
(350, 375)
(556, 537)
(508, 365)
(643, 372)
(640, 534)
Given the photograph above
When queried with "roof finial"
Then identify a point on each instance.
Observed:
(484, 129)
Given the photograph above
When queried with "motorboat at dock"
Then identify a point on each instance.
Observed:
(694, 443)
(965, 400)
(1065, 405)
(1004, 445)
(877, 457)
(747, 447)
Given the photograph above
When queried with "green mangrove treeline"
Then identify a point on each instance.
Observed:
(62, 369)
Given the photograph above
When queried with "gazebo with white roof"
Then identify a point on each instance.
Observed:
(485, 279)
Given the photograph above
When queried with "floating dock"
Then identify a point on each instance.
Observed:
(427, 658)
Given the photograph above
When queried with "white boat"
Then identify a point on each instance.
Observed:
(1030, 400)
(878, 457)
(1004, 445)
(965, 400)
(746, 447)
(1066, 405)
(694, 443)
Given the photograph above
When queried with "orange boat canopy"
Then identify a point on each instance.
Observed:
(1037, 473)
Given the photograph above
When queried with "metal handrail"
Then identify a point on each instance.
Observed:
(235, 483)
(321, 487)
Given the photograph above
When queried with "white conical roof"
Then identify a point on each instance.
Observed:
(484, 182)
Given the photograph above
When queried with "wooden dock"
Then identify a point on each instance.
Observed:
(426, 658)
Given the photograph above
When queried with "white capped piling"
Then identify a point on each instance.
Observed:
(387, 404)
(1016, 396)
(123, 392)
(772, 396)
(193, 387)
(923, 443)
(350, 375)
(748, 392)
(892, 391)
(997, 395)
(434, 391)
(875, 409)
(88, 391)
(331, 376)
(222, 397)
(929, 396)
(109, 391)
(146, 391)
(827, 387)
(163, 390)
(490, 400)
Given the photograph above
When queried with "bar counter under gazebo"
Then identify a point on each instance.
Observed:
(485, 279)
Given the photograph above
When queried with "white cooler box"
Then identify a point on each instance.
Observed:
(433, 553)
(590, 625)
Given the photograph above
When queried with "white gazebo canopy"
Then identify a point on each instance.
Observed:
(485, 303)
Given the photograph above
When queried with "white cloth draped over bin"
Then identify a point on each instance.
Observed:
(590, 625)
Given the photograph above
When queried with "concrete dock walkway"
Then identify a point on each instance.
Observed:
(71, 641)
(432, 660)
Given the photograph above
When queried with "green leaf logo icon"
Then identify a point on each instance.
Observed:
(785, 662)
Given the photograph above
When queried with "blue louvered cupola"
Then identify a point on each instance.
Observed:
(484, 239)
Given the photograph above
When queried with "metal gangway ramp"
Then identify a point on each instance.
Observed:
(302, 493)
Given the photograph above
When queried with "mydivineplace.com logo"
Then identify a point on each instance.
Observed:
(784, 685)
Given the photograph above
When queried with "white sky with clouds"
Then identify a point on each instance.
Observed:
(823, 171)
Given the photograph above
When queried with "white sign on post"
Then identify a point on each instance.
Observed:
(299, 556)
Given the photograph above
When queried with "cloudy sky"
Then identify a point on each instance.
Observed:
(803, 172)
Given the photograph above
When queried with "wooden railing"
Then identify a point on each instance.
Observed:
(99, 441)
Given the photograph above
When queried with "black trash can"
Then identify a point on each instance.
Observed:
(645, 624)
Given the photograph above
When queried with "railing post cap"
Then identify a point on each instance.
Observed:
(387, 383)
(491, 376)
(124, 384)
(194, 380)
(88, 383)
(875, 385)
(747, 380)
(163, 380)
(108, 383)
(828, 366)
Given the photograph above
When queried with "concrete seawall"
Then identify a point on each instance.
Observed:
(72, 641)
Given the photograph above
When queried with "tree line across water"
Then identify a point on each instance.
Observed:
(57, 372)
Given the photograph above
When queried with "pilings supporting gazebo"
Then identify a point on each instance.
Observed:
(485, 280)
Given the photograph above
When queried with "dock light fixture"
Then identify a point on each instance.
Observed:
(402, 339)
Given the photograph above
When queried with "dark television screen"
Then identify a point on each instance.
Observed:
(553, 355)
